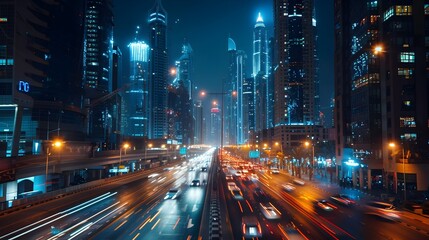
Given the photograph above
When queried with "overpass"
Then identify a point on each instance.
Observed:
(27, 176)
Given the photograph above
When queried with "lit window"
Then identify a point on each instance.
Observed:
(407, 73)
(389, 12)
(403, 10)
(373, 19)
(407, 57)
(407, 122)
(409, 136)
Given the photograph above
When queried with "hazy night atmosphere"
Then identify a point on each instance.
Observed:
(214, 119)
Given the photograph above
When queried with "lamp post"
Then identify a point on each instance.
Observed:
(307, 144)
(393, 145)
(125, 146)
(282, 154)
(56, 144)
(145, 151)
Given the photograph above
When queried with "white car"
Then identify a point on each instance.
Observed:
(251, 227)
(288, 187)
(173, 193)
(299, 182)
(382, 209)
(269, 211)
(231, 185)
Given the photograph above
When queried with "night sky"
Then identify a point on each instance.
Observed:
(207, 24)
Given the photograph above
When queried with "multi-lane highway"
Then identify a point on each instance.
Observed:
(255, 203)
(301, 216)
(133, 207)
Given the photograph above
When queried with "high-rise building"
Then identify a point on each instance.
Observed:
(182, 93)
(199, 123)
(184, 69)
(405, 39)
(235, 110)
(215, 127)
(40, 82)
(260, 74)
(97, 69)
(295, 78)
(248, 121)
(230, 96)
(116, 106)
(137, 95)
(381, 94)
(158, 72)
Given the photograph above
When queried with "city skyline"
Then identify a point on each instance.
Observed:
(208, 36)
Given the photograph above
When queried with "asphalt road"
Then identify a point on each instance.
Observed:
(133, 207)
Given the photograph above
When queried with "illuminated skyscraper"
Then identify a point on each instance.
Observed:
(137, 95)
(260, 74)
(235, 110)
(295, 76)
(40, 74)
(158, 72)
(382, 96)
(97, 60)
(180, 100)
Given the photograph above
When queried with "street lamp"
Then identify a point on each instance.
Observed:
(145, 151)
(55, 144)
(308, 144)
(281, 150)
(393, 145)
(125, 146)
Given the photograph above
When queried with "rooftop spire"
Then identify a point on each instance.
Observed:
(259, 18)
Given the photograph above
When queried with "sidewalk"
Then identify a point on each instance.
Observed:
(324, 184)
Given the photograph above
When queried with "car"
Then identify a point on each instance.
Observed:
(323, 205)
(231, 185)
(343, 199)
(251, 227)
(260, 195)
(289, 187)
(269, 211)
(195, 183)
(245, 179)
(298, 182)
(254, 176)
(382, 209)
(173, 193)
(229, 177)
(275, 171)
(236, 193)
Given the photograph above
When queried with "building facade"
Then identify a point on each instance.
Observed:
(40, 89)
(295, 81)
(381, 93)
(137, 94)
(158, 72)
(260, 74)
(97, 64)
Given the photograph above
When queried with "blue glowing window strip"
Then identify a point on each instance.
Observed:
(4, 62)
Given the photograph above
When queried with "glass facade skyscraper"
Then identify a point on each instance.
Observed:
(260, 74)
(158, 72)
(137, 95)
(296, 83)
(382, 96)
